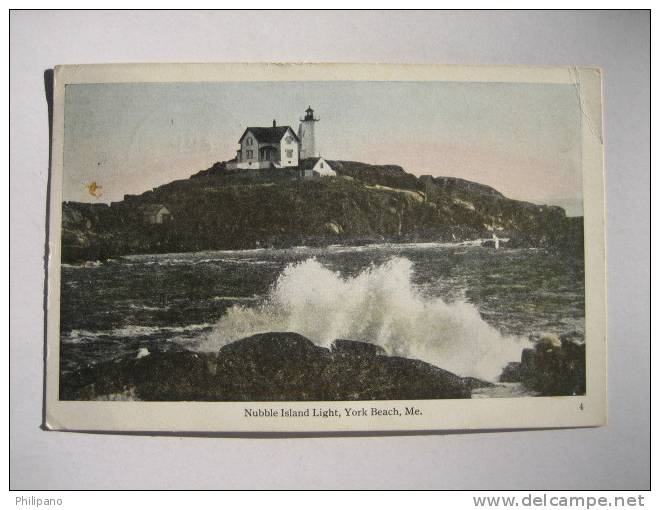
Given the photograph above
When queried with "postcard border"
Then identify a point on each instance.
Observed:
(214, 417)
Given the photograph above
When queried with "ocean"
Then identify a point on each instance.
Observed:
(460, 306)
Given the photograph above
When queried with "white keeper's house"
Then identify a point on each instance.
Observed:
(281, 147)
(267, 147)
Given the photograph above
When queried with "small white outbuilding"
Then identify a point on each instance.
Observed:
(156, 214)
(315, 167)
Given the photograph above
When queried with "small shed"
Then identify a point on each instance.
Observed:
(156, 214)
(315, 167)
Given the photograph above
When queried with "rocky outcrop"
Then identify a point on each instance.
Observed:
(555, 366)
(354, 348)
(220, 209)
(511, 373)
(567, 237)
(267, 367)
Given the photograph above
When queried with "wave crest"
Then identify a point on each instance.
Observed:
(380, 305)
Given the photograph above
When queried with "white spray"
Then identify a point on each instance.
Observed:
(380, 305)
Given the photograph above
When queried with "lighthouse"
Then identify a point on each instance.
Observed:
(306, 134)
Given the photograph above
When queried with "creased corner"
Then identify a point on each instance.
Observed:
(594, 126)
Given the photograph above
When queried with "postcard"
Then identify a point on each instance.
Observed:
(312, 248)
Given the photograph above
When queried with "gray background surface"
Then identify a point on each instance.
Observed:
(612, 457)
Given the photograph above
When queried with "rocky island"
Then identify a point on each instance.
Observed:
(218, 209)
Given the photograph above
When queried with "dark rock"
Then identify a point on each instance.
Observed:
(270, 366)
(553, 368)
(555, 232)
(158, 376)
(267, 367)
(511, 372)
(356, 348)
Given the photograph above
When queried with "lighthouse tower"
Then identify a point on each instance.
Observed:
(306, 134)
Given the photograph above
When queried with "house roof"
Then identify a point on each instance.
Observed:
(308, 163)
(268, 134)
(153, 208)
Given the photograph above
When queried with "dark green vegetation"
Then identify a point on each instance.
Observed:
(268, 367)
(220, 209)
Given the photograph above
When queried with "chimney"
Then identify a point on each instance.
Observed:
(274, 123)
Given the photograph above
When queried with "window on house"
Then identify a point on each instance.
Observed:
(248, 141)
(289, 153)
(321, 164)
(249, 154)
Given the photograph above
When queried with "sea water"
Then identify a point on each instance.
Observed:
(463, 307)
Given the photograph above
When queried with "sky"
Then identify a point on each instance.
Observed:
(522, 139)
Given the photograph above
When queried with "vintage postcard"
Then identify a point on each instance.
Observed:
(325, 247)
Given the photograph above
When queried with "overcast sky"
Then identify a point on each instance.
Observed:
(522, 139)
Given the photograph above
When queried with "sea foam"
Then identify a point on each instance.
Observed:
(380, 305)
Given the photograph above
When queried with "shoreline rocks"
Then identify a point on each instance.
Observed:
(268, 367)
(554, 367)
(288, 366)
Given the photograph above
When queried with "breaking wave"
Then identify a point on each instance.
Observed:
(380, 305)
